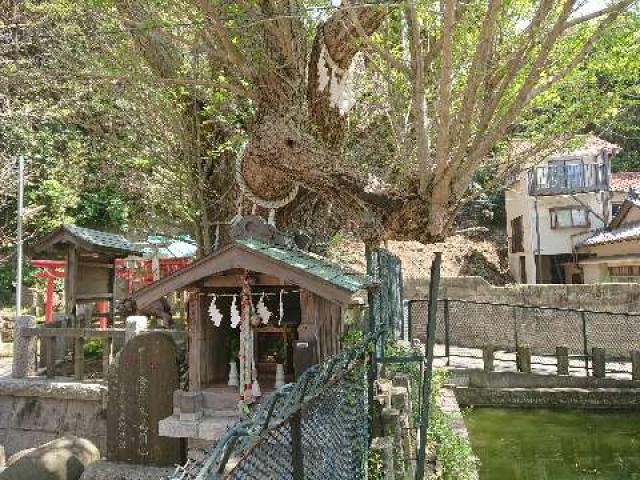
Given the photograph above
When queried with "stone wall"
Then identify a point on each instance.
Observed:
(35, 411)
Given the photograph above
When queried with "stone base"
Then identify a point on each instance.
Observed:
(119, 471)
(205, 428)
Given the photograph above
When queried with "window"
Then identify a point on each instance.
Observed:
(517, 235)
(569, 217)
(624, 274)
(567, 173)
(615, 208)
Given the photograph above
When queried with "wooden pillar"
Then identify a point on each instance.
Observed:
(196, 342)
(106, 355)
(308, 328)
(78, 361)
(70, 281)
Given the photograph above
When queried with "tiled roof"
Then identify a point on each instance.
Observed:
(622, 234)
(624, 181)
(316, 265)
(100, 239)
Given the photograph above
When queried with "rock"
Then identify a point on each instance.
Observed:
(61, 459)
(120, 471)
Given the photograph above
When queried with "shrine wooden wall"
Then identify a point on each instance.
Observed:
(322, 320)
(208, 357)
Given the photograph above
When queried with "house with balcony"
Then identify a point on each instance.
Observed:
(553, 205)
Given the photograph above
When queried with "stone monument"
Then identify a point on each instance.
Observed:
(141, 385)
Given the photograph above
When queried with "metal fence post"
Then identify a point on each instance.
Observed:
(297, 458)
(434, 289)
(585, 343)
(446, 331)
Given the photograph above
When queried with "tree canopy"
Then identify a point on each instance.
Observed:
(372, 117)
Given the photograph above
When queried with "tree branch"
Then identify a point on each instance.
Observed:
(614, 8)
(444, 90)
(233, 53)
(336, 43)
(523, 96)
(475, 78)
(418, 94)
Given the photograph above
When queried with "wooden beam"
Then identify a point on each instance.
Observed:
(43, 332)
(94, 296)
(234, 280)
(96, 265)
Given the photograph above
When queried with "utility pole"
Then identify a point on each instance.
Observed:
(19, 237)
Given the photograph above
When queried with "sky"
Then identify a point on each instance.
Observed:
(592, 6)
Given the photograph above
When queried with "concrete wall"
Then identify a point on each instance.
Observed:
(34, 411)
(611, 297)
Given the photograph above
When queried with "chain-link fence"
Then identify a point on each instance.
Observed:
(465, 326)
(316, 428)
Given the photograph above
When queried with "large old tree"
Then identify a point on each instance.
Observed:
(443, 84)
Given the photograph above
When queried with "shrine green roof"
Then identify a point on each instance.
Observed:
(103, 239)
(338, 275)
(89, 239)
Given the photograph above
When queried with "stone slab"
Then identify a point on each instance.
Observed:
(595, 398)
(479, 378)
(52, 388)
(120, 471)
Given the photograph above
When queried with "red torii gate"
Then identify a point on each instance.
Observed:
(51, 270)
(54, 269)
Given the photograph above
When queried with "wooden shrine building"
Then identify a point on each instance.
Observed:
(304, 302)
(89, 269)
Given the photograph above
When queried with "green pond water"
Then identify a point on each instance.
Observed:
(537, 444)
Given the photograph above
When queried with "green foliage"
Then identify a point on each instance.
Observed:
(626, 162)
(454, 452)
(351, 338)
(375, 466)
(8, 280)
(93, 349)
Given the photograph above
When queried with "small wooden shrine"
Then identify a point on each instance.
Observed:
(89, 269)
(255, 304)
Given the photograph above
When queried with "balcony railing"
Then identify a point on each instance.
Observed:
(567, 179)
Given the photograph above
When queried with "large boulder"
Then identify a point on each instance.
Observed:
(61, 459)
